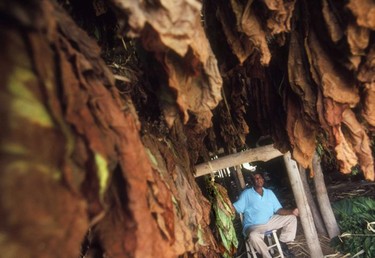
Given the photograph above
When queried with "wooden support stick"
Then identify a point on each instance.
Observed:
(263, 153)
(323, 200)
(303, 207)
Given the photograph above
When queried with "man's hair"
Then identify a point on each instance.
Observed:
(253, 176)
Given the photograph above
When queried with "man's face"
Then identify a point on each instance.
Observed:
(258, 181)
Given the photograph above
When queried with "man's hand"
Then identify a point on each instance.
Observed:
(295, 212)
(283, 212)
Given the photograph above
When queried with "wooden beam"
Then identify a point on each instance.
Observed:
(304, 209)
(263, 153)
(318, 221)
(323, 200)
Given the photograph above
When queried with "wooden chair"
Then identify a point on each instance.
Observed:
(273, 243)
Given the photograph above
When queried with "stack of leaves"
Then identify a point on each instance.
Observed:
(355, 217)
(224, 215)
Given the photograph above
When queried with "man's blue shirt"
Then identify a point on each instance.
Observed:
(256, 209)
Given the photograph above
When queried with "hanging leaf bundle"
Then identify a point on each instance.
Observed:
(224, 215)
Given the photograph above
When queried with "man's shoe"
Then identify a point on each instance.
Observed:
(287, 253)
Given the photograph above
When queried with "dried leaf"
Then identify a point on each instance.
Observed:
(368, 111)
(344, 153)
(334, 83)
(280, 15)
(360, 143)
(248, 23)
(335, 31)
(302, 135)
(358, 39)
(366, 70)
(364, 11)
(239, 42)
(192, 68)
(299, 77)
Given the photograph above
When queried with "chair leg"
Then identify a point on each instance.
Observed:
(276, 238)
(251, 253)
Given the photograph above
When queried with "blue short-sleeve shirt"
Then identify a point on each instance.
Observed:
(256, 209)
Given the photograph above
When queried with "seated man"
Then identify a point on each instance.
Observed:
(263, 212)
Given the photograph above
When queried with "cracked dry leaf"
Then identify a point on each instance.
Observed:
(92, 108)
(344, 153)
(190, 219)
(192, 69)
(358, 39)
(239, 43)
(299, 77)
(281, 15)
(364, 11)
(248, 23)
(366, 71)
(366, 75)
(332, 24)
(334, 83)
(333, 111)
(360, 143)
(368, 110)
(31, 168)
(302, 134)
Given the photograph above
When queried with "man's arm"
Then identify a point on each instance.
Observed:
(283, 212)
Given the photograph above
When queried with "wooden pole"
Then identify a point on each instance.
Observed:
(318, 221)
(263, 153)
(304, 209)
(323, 200)
(238, 174)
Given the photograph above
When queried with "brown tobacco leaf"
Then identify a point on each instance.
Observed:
(344, 152)
(46, 115)
(281, 15)
(334, 83)
(240, 44)
(228, 130)
(299, 77)
(368, 111)
(364, 11)
(40, 215)
(366, 75)
(197, 91)
(360, 143)
(173, 187)
(112, 131)
(366, 71)
(335, 31)
(248, 23)
(333, 111)
(237, 104)
(191, 67)
(100, 7)
(358, 38)
(301, 134)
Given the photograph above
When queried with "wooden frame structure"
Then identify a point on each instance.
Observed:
(266, 153)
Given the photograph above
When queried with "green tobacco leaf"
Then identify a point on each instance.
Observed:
(224, 215)
(24, 103)
(103, 173)
(352, 217)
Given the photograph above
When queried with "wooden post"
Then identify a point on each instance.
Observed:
(263, 153)
(318, 221)
(240, 177)
(323, 200)
(238, 174)
(304, 209)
